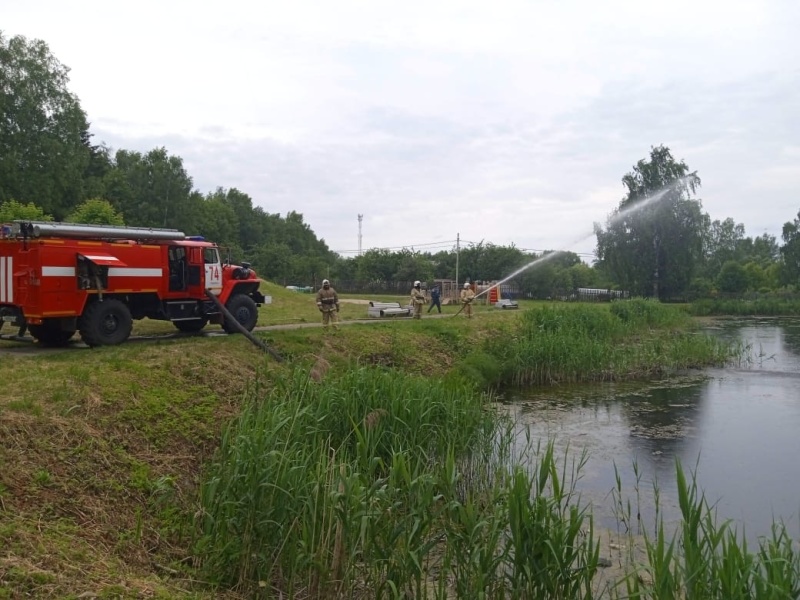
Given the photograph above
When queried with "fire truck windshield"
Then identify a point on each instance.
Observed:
(210, 256)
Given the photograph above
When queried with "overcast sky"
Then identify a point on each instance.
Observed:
(508, 121)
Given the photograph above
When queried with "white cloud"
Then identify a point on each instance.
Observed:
(508, 122)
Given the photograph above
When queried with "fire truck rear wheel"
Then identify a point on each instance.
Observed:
(50, 335)
(244, 309)
(106, 323)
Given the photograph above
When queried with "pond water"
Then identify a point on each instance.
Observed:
(737, 428)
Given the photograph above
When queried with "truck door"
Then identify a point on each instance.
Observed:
(177, 268)
(194, 273)
(213, 270)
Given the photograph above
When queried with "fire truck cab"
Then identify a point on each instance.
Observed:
(60, 278)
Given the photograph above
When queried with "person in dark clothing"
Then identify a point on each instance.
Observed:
(435, 299)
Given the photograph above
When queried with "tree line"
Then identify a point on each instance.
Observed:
(51, 169)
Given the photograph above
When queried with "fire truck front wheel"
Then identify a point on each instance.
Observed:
(105, 323)
(244, 310)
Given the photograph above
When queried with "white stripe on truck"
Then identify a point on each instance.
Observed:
(130, 272)
(58, 271)
(7, 279)
(2, 279)
(112, 272)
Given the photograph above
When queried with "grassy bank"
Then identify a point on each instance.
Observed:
(572, 343)
(109, 456)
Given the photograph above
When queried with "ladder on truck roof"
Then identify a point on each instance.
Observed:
(36, 229)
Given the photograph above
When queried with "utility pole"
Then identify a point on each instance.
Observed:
(360, 218)
(458, 240)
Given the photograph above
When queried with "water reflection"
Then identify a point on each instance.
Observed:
(791, 338)
(739, 426)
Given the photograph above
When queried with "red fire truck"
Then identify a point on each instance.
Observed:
(59, 278)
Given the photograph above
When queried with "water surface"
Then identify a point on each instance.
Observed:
(738, 427)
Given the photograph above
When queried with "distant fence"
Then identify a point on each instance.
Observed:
(599, 295)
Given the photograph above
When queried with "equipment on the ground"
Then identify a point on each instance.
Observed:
(59, 278)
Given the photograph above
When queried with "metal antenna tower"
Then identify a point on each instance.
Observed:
(360, 218)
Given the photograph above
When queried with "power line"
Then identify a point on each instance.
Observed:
(443, 244)
(452, 244)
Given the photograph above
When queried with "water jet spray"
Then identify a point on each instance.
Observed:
(635, 207)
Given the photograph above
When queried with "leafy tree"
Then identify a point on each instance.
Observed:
(700, 287)
(250, 222)
(652, 243)
(96, 212)
(411, 266)
(539, 281)
(297, 234)
(444, 264)
(772, 274)
(732, 278)
(378, 265)
(42, 129)
(790, 252)
(487, 262)
(345, 269)
(763, 250)
(552, 274)
(273, 262)
(723, 242)
(214, 219)
(757, 276)
(97, 168)
(583, 275)
(151, 190)
(11, 210)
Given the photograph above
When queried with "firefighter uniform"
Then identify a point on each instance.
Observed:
(417, 299)
(467, 296)
(328, 303)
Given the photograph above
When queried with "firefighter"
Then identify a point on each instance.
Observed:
(417, 299)
(467, 296)
(436, 299)
(328, 304)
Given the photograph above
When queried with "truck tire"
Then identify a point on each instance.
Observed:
(49, 334)
(191, 326)
(244, 309)
(105, 323)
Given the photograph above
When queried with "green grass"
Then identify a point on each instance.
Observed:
(126, 434)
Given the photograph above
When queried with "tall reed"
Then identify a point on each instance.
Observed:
(379, 485)
(634, 338)
(705, 559)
